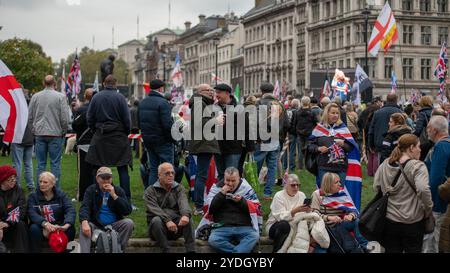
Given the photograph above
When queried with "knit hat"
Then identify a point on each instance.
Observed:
(6, 172)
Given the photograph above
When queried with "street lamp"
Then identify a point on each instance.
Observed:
(216, 42)
(366, 13)
(164, 68)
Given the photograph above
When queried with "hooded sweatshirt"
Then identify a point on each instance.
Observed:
(404, 205)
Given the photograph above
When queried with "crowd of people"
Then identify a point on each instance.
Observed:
(406, 148)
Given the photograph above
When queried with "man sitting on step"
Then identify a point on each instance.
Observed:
(168, 211)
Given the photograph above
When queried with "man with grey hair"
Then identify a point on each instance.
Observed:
(438, 164)
(49, 120)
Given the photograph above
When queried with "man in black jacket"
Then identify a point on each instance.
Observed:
(155, 121)
(104, 204)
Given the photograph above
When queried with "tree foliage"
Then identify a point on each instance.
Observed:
(90, 63)
(27, 61)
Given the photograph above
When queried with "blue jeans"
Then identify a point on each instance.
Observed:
(52, 146)
(271, 159)
(342, 176)
(203, 162)
(23, 155)
(225, 161)
(158, 155)
(220, 239)
(294, 149)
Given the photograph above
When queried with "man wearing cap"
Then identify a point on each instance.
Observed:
(108, 117)
(104, 204)
(230, 148)
(155, 122)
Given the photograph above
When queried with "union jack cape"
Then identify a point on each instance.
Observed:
(244, 190)
(353, 180)
(340, 200)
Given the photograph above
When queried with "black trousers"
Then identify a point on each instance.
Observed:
(86, 174)
(278, 233)
(399, 238)
(16, 238)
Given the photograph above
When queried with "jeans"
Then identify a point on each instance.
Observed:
(52, 146)
(342, 176)
(431, 241)
(224, 161)
(37, 237)
(271, 159)
(203, 162)
(158, 155)
(294, 149)
(23, 155)
(220, 239)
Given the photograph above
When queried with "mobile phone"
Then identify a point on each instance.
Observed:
(230, 196)
(307, 202)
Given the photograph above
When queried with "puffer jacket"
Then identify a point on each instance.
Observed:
(444, 238)
(391, 140)
(303, 227)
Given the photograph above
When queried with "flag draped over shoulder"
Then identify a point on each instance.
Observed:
(177, 76)
(13, 106)
(441, 71)
(385, 32)
(244, 190)
(340, 200)
(353, 180)
(74, 77)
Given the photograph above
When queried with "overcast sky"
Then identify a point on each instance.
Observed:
(60, 26)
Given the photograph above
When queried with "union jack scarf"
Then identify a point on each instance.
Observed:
(340, 200)
(244, 190)
(14, 215)
(48, 213)
(353, 180)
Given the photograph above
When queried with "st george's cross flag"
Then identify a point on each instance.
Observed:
(385, 32)
(13, 106)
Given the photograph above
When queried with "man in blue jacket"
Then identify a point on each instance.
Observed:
(155, 121)
(438, 164)
(104, 204)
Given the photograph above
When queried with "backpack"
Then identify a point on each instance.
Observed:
(106, 241)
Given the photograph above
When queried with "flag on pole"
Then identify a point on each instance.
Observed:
(13, 106)
(385, 32)
(96, 84)
(215, 78)
(326, 91)
(63, 80)
(394, 84)
(177, 76)
(237, 93)
(74, 77)
(441, 71)
(276, 90)
(364, 85)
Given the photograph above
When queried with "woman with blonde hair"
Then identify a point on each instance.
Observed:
(336, 151)
(405, 178)
(397, 128)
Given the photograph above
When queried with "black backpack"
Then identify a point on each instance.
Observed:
(106, 241)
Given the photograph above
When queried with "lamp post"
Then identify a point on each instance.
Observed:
(366, 14)
(216, 42)
(164, 69)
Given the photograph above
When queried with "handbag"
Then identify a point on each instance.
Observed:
(430, 222)
(311, 162)
(373, 217)
(251, 173)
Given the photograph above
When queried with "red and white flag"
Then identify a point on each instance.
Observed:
(13, 106)
(385, 32)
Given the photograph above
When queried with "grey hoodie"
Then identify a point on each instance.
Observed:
(404, 206)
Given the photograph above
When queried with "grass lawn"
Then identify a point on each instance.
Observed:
(69, 185)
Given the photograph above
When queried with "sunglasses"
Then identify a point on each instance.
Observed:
(295, 185)
(169, 173)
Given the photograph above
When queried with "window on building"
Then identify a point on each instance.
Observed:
(408, 34)
(333, 39)
(442, 5)
(334, 8)
(291, 26)
(327, 40)
(425, 5)
(408, 68)
(341, 38)
(426, 35)
(347, 4)
(341, 64)
(359, 31)
(315, 11)
(443, 35)
(425, 69)
(341, 7)
(388, 65)
(285, 27)
(290, 50)
(348, 63)
(361, 4)
(327, 9)
(268, 32)
(301, 37)
(407, 5)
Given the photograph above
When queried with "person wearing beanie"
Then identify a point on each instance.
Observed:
(155, 121)
(12, 211)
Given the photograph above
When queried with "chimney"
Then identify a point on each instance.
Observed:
(257, 2)
(187, 24)
(202, 18)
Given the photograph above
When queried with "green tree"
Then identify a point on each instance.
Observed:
(27, 61)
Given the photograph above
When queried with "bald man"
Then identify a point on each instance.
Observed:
(49, 120)
(84, 136)
(168, 210)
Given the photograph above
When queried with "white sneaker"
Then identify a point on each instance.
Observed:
(198, 212)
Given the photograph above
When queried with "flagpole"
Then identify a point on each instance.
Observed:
(401, 57)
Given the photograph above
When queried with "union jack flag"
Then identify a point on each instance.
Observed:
(336, 152)
(14, 215)
(441, 69)
(340, 200)
(48, 213)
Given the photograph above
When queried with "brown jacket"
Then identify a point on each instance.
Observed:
(444, 238)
